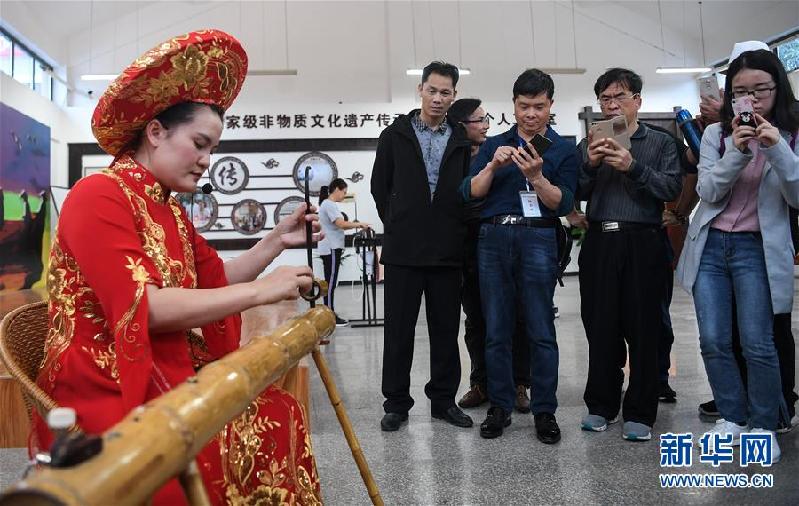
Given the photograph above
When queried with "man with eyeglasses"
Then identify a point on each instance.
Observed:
(621, 260)
(525, 194)
(421, 159)
(468, 112)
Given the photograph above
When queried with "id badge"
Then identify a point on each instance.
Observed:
(530, 208)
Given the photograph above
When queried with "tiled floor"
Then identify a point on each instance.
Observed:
(430, 462)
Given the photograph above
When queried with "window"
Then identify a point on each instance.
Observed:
(788, 53)
(42, 80)
(5, 54)
(23, 66)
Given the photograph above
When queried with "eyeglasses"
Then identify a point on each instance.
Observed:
(758, 93)
(606, 101)
(485, 119)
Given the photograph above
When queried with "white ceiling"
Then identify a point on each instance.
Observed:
(358, 50)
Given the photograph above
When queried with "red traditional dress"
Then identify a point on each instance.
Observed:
(118, 231)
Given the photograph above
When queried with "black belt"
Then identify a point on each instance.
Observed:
(618, 226)
(513, 219)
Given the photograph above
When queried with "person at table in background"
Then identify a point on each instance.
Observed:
(130, 277)
(469, 113)
(331, 248)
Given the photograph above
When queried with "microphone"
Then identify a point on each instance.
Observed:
(207, 188)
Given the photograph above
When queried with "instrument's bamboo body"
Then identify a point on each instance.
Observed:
(157, 441)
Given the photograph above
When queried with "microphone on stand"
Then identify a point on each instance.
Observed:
(207, 188)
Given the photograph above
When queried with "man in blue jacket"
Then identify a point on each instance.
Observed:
(525, 193)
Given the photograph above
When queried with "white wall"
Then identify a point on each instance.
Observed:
(351, 56)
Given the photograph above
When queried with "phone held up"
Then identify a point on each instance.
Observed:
(742, 107)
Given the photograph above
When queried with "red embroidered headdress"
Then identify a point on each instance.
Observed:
(207, 66)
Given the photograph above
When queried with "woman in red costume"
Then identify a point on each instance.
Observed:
(129, 276)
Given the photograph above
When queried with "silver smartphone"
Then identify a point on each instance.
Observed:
(709, 87)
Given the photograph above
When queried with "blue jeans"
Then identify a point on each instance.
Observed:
(517, 269)
(734, 264)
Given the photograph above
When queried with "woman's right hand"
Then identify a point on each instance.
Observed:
(284, 283)
(741, 134)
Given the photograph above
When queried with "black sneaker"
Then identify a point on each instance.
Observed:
(341, 322)
(709, 409)
(546, 428)
(496, 420)
(667, 394)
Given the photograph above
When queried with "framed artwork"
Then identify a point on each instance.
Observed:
(248, 216)
(322, 171)
(202, 209)
(287, 206)
(229, 175)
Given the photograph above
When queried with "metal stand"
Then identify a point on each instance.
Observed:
(367, 242)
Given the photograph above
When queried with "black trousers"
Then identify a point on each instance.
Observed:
(621, 285)
(331, 264)
(403, 289)
(475, 325)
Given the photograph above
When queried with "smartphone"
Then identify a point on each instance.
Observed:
(743, 108)
(540, 143)
(614, 128)
(709, 87)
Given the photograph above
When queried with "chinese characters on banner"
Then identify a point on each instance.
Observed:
(335, 121)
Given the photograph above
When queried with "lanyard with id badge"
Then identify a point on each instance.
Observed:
(528, 198)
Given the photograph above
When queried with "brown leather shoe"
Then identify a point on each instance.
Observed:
(473, 398)
(522, 401)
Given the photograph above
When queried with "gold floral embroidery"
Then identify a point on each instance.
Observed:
(60, 277)
(246, 444)
(189, 66)
(92, 311)
(188, 249)
(155, 192)
(105, 359)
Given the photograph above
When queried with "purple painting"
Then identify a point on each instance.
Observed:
(24, 191)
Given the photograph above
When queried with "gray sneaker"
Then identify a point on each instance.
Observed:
(596, 423)
(634, 431)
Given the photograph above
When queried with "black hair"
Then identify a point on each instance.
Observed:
(533, 82)
(324, 193)
(625, 77)
(179, 114)
(461, 109)
(783, 112)
(184, 112)
(443, 69)
(336, 184)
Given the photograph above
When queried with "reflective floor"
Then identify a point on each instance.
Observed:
(430, 462)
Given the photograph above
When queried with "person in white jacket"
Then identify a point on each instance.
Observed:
(739, 243)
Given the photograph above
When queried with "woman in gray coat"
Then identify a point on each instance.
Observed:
(739, 243)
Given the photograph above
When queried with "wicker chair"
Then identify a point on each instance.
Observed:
(22, 335)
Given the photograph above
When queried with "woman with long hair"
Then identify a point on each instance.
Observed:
(331, 248)
(739, 244)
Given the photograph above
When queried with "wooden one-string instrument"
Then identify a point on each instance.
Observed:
(324, 372)
(159, 440)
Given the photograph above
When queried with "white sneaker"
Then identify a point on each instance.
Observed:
(775, 447)
(725, 427)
